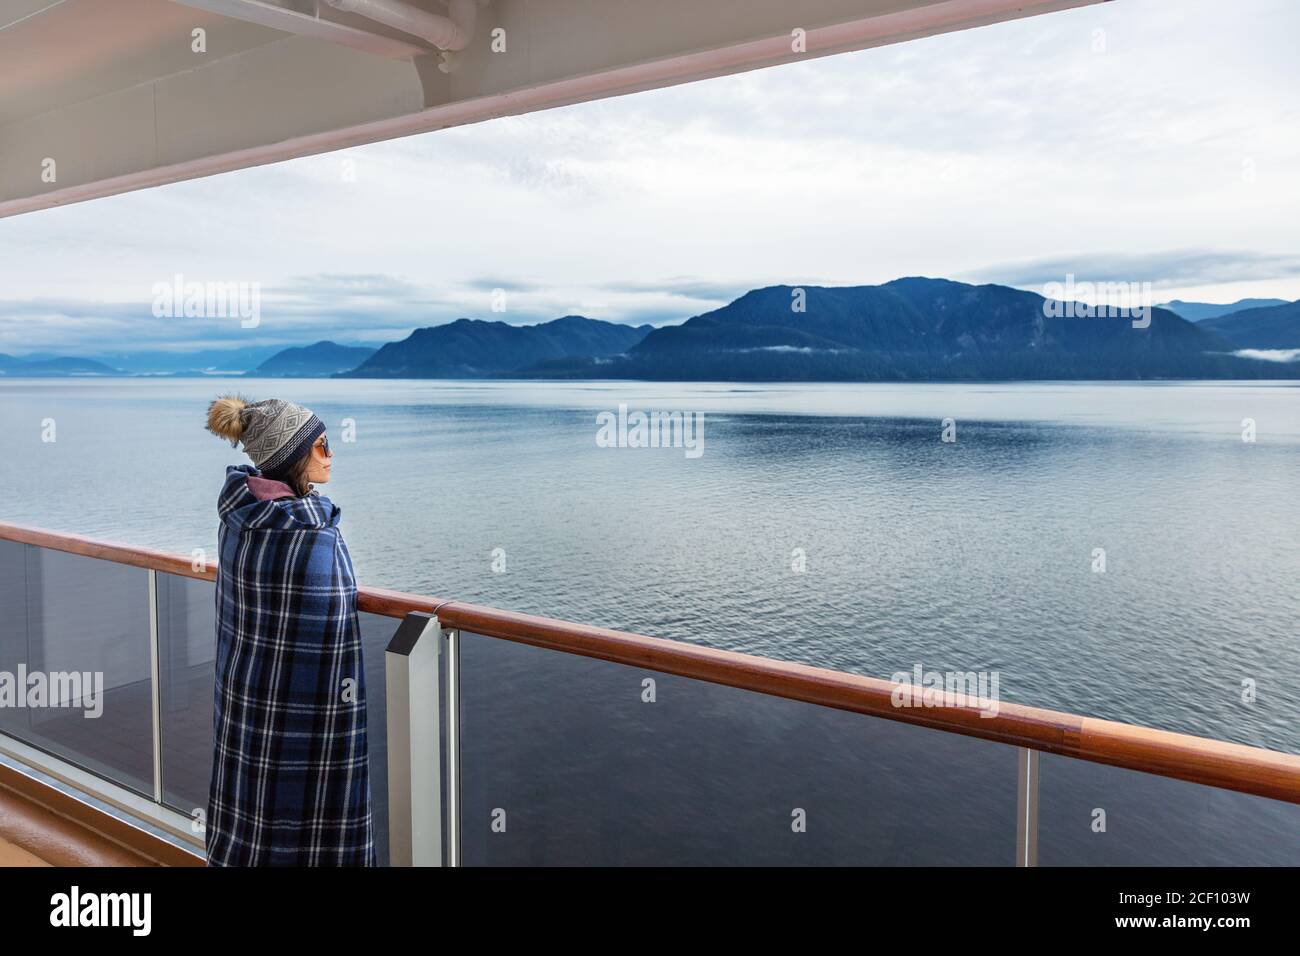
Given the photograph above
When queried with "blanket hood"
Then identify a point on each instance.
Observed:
(260, 506)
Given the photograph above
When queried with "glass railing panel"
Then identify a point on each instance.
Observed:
(15, 721)
(186, 662)
(82, 625)
(1096, 815)
(564, 761)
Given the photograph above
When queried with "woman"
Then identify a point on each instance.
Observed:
(290, 774)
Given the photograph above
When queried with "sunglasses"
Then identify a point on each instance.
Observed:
(324, 445)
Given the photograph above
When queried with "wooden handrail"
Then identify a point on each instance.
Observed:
(1254, 770)
(372, 600)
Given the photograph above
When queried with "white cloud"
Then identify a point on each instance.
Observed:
(1270, 355)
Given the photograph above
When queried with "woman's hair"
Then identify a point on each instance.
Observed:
(294, 474)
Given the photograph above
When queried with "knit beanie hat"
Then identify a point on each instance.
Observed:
(275, 433)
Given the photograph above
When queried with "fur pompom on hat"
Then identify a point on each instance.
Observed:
(274, 433)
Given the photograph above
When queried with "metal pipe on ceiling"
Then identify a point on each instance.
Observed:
(451, 32)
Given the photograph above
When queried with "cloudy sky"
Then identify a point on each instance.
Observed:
(1136, 141)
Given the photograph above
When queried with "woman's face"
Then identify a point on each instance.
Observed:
(318, 469)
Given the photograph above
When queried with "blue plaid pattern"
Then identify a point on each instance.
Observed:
(290, 772)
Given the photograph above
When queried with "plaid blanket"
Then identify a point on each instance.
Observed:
(290, 774)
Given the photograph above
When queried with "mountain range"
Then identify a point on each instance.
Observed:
(1273, 327)
(919, 329)
(211, 361)
(57, 365)
(911, 329)
(1200, 311)
(473, 348)
(312, 361)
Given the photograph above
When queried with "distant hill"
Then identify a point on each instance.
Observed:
(1275, 327)
(1200, 311)
(58, 366)
(229, 361)
(915, 329)
(473, 348)
(312, 361)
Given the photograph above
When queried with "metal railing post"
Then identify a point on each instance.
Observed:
(453, 748)
(414, 767)
(155, 683)
(1027, 808)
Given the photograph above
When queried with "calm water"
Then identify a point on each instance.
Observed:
(975, 555)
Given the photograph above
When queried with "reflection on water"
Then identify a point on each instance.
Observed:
(975, 555)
